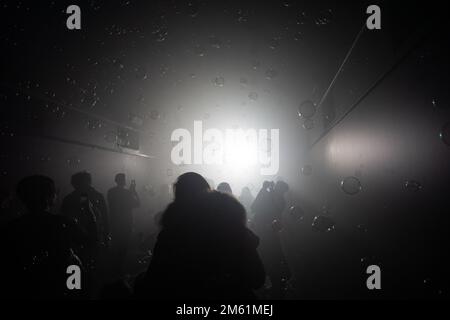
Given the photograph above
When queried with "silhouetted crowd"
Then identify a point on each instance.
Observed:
(206, 247)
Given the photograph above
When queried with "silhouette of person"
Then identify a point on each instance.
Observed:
(121, 203)
(204, 249)
(268, 208)
(86, 206)
(224, 187)
(246, 198)
(38, 247)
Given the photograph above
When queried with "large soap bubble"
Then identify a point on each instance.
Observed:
(351, 185)
(307, 109)
(323, 224)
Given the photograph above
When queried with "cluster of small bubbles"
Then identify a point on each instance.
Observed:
(296, 213)
(326, 210)
(95, 5)
(215, 42)
(155, 115)
(141, 73)
(271, 74)
(413, 186)
(145, 260)
(73, 161)
(111, 137)
(24, 158)
(117, 62)
(136, 120)
(253, 96)
(160, 33)
(298, 36)
(323, 224)
(287, 4)
(274, 43)
(71, 81)
(434, 102)
(307, 109)
(445, 134)
(45, 159)
(163, 70)
(325, 18)
(362, 228)
(301, 20)
(308, 124)
(94, 124)
(242, 16)
(219, 81)
(193, 9)
(351, 185)
(199, 50)
(307, 170)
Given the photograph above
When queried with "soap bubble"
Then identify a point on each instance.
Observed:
(308, 124)
(199, 51)
(362, 228)
(307, 109)
(219, 81)
(413, 186)
(94, 124)
(351, 185)
(296, 213)
(253, 96)
(445, 134)
(270, 74)
(298, 36)
(73, 161)
(323, 224)
(215, 42)
(307, 170)
(154, 114)
(274, 43)
(276, 226)
(111, 137)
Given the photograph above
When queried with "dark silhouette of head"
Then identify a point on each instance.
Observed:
(121, 179)
(224, 187)
(267, 185)
(81, 181)
(37, 193)
(190, 185)
(281, 187)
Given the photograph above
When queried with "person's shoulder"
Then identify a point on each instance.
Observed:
(251, 238)
(112, 190)
(96, 194)
(69, 196)
(226, 199)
